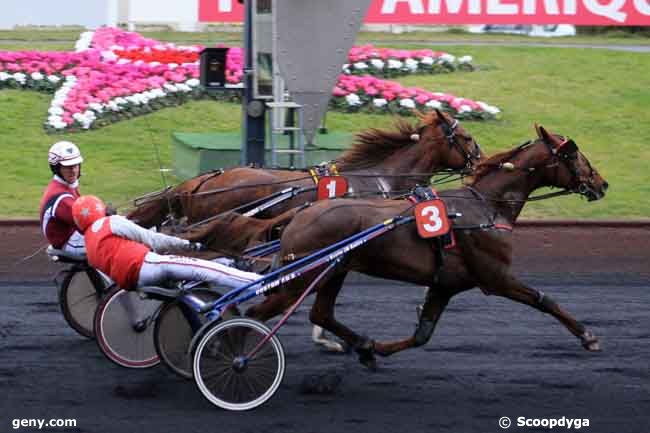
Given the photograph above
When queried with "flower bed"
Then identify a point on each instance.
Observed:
(115, 75)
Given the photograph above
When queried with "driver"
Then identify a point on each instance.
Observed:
(128, 253)
(56, 219)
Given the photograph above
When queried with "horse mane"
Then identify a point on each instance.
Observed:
(487, 166)
(374, 145)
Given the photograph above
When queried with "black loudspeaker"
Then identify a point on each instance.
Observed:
(213, 68)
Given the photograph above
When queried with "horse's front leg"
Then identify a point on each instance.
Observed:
(322, 314)
(514, 289)
(434, 304)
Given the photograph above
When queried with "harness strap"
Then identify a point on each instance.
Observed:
(314, 175)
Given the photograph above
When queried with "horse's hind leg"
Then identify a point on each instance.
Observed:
(322, 314)
(432, 309)
(518, 291)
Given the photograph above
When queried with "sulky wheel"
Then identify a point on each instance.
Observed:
(226, 377)
(124, 324)
(175, 327)
(79, 295)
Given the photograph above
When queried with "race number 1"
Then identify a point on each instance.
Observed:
(431, 218)
(331, 187)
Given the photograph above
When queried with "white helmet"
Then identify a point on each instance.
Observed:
(64, 153)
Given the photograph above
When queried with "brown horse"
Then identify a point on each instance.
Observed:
(481, 257)
(379, 160)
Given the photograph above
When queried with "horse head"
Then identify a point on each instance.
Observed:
(568, 168)
(442, 135)
(550, 160)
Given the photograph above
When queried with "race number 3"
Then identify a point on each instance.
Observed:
(431, 218)
(331, 187)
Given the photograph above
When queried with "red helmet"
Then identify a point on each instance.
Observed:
(86, 210)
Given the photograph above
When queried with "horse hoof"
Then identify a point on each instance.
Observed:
(590, 342)
(366, 352)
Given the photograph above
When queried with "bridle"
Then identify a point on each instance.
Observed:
(451, 134)
(565, 153)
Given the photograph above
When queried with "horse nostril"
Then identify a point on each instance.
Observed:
(605, 186)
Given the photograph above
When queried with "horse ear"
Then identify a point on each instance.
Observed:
(542, 133)
(441, 116)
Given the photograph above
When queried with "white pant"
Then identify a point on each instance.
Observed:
(75, 246)
(157, 269)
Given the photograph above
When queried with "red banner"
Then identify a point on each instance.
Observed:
(579, 12)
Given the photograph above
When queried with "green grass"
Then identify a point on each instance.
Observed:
(599, 98)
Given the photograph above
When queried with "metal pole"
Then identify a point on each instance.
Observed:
(252, 109)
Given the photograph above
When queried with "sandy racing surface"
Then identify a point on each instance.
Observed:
(488, 358)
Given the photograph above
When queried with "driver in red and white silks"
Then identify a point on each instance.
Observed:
(128, 253)
(55, 207)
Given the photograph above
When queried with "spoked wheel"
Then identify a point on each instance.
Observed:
(124, 324)
(79, 295)
(226, 377)
(175, 327)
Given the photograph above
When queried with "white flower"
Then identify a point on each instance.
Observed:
(37, 76)
(170, 87)
(112, 105)
(109, 55)
(184, 87)
(394, 64)
(58, 125)
(492, 109)
(465, 59)
(433, 104)
(379, 102)
(20, 77)
(377, 63)
(353, 99)
(120, 100)
(464, 108)
(97, 107)
(172, 65)
(360, 65)
(55, 110)
(346, 68)
(411, 64)
(192, 82)
(447, 58)
(154, 64)
(78, 117)
(84, 41)
(123, 61)
(407, 103)
(4, 76)
(53, 79)
(426, 60)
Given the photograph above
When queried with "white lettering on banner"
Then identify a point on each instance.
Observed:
(495, 7)
(225, 5)
(453, 6)
(390, 6)
(643, 6)
(611, 10)
(530, 7)
(570, 7)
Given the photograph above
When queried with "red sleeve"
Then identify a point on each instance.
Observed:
(64, 211)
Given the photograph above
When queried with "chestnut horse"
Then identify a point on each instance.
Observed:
(481, 257)
(379, 161)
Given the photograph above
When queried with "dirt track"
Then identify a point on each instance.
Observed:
(488, 358)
